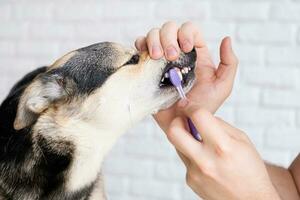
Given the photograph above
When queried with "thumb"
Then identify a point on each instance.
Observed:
(228, 64)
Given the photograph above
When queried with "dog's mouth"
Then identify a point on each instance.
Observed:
(186, 73)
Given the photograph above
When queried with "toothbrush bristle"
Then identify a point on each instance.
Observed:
(175, 78)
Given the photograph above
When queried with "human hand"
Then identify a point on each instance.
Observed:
(213, 84)
(225, 165)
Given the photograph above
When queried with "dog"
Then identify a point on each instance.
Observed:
(59, 121)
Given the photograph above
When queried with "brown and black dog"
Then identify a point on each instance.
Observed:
(58, 122)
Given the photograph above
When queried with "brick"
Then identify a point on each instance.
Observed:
(155, 189)
(181, 9)
(226, 113)
(298, 117)
(245, 95)
(283, 56)
(216, 31)
(78, 11)
(253, 54)
(148, 127)
(285, 11)
(159, 149)
(240, 11)
(11, 30)
(116, 196)
(32, 48)
(170, 171)
(34, 12)
(112, 181)
(5, 12)
(270, 77)
(188, 193)
(112, 31)
(127, 10)
(298, 36)
(283, 138)
(7, 48)
(131, 166)
(282, 98)
(265, 32)
(263, 117)
(5, 83)
(255, 134)
(51, 31)
(275, 156)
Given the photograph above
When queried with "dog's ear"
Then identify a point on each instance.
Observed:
(37, 97)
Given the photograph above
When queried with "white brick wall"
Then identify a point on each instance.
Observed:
(143, 165)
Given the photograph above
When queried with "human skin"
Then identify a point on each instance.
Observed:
(225, 165)
(213, 86)
(214, 83)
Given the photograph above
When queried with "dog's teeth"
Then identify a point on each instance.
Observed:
(189, 68)
(180, 75)
(162, 80)
(186, 70)
(183, 71)
(166, 75)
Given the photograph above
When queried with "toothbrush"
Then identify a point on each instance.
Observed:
(176, 81)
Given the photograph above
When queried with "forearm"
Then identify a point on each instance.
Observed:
(283, 181)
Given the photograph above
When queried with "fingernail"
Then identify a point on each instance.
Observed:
(171, 52)
(156, 51)
(183, 103)
(186, 45)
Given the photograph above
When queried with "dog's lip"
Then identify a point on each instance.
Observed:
(185, 77)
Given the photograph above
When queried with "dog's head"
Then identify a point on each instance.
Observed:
(106, 82)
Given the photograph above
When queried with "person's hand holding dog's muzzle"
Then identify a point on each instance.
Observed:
(213, 84)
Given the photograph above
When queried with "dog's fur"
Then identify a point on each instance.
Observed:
(58, 122)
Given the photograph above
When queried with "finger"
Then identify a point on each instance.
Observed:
(189, 36)
(183, 141)
(153, 43)
(140, 43)
(168, 39)
(208, 126)
(228, 64)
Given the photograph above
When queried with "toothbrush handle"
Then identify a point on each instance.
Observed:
(193, 130)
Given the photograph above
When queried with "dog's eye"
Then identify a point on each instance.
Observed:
(133, 60)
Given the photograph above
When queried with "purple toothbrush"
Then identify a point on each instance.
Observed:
(176, 81)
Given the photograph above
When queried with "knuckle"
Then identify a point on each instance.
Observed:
(169, 23)
(208, 170)
(188, 24)
(152, 32)
(223, 148)
(154, 29)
